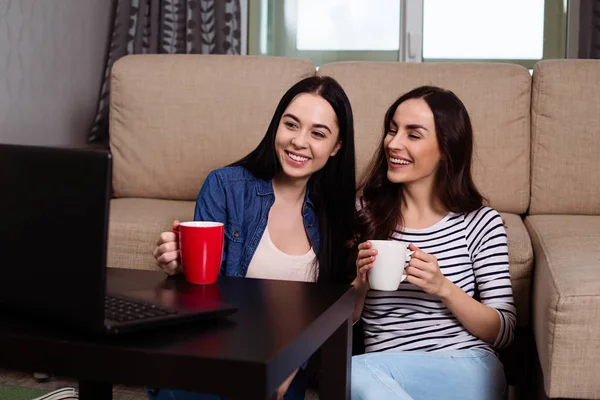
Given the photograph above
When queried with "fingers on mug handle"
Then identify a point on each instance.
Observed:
(364, 245)
(408, 258)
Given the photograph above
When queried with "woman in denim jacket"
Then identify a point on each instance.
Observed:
(287, 206)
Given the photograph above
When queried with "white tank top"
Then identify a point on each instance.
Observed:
(268, 262)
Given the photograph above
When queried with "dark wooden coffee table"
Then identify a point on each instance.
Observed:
(278, 326)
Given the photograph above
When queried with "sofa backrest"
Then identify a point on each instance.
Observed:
(566, 137)
(174, 118)
(496, 95)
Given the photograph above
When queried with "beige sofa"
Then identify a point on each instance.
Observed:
(537, 139)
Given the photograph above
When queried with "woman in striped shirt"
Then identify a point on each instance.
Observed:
(435, 337)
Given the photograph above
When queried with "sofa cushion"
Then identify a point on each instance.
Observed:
(496, 95)
(520, 258)
(566, 299)
(174, 118)
(565, 137)
(134, 228)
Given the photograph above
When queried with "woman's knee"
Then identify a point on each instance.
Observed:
(159, 394)
(297, 388)
(496, 376)
(362, 378)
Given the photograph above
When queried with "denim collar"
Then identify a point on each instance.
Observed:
(265, 188)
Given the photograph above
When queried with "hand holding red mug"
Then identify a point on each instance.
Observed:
(167, 254)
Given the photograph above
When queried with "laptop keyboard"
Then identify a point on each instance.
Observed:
(124, 310)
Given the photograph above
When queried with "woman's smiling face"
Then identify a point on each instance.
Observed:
(411, 145)
(307, 135)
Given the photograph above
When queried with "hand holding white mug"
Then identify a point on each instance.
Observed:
(424, 272)
(364, 262)
(167, 251)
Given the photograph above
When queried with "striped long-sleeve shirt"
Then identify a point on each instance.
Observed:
(472, 252)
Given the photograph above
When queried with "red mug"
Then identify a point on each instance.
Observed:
(201, 246)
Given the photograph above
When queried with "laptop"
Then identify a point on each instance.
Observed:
(54, 213)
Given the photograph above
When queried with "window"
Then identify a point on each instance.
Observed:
(475, 29)
(336, 25)
(521, 32)
(410, 30)
(326, 30)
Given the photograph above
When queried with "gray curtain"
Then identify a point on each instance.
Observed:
(589, 29)
(167, 27)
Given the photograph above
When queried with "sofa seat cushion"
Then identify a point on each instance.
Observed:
(566, 299)
(520, 258)
(135, 225)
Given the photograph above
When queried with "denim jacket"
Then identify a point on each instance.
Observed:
(241, 201)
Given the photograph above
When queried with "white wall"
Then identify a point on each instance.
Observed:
(52, 55)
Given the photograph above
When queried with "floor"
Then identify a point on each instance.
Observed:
(120, 392)
(26, 379)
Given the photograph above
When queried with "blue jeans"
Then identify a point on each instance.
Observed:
(457, 374)
(295, 392)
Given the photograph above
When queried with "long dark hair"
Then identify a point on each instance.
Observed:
(333, 188)
(381, 199)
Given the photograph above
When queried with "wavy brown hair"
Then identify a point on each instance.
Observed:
(381, 199)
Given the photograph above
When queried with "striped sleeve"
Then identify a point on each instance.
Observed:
(487, 241)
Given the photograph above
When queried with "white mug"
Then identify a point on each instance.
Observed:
(390, 261)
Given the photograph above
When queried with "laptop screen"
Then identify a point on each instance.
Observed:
(54, 206)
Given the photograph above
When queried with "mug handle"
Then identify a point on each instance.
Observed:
(408, 257)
